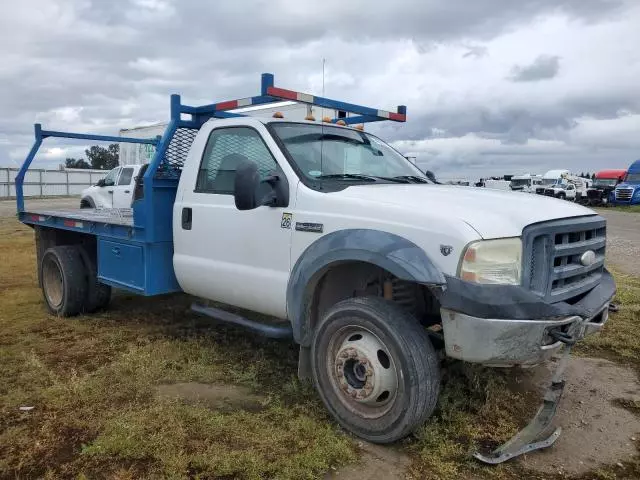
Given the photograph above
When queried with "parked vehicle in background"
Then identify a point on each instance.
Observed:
(497, 184)
(566, 186)
(323, 228)
(116, 190)
(550, 178)
(563, 191)
(628, 192)
(525, 183)
(602, 190)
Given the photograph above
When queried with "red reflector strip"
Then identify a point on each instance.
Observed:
(230, 105)
(72, 223)
(398, 117)
(37, 218)
(282, 93)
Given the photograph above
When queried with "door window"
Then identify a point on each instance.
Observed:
(226, 149)
(125, 176)
(110, 179)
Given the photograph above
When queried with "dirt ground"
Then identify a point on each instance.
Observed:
(594, 430)
(8, 207)
(623, 240)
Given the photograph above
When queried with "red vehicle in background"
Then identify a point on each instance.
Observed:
(601, 192)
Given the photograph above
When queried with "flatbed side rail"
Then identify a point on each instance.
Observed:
(40, 135)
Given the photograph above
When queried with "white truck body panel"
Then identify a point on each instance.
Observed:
(224, 260)
(137, 153)
(553, 176)
(497, 184)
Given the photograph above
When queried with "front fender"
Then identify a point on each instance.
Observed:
(391, 252)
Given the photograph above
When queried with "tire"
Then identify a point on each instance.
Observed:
(98, 294)
(407, 370)
(87, 202)
(64, 280)
(561, 196)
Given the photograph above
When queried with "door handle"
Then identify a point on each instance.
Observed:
(127, 191)
(186, 218)
(110, 191)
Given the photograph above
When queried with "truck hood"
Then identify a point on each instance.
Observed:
(492, 213)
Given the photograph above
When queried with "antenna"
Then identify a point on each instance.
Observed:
(323, 61)
(322, 122)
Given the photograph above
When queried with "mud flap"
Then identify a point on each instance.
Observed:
(536, 434)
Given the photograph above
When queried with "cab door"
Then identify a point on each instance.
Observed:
(221, 253)
(104, 195)
(123, 190)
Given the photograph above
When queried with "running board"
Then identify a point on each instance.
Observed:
(535, 435)
(269, 331)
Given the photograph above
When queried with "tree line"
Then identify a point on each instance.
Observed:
(98, 158)
(591, 176)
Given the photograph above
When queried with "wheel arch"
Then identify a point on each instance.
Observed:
(366, 249)
(87, 200)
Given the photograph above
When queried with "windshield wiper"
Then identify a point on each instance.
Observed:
(413, 178)
(360, 176)
(347, 176)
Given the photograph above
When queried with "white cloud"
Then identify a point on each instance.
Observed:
(100, 66)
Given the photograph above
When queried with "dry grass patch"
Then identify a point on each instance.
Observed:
(93, 382)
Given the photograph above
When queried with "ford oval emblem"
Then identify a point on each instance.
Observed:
(588, 258)
(446, 249)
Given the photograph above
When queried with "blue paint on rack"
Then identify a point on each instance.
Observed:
(138, 257)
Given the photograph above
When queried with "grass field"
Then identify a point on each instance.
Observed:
(110, 394)
(630, 209)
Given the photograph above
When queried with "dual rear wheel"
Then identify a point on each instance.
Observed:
(69, 282)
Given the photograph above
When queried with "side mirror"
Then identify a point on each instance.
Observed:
(431, 176)
(250, 192)
(101, 183)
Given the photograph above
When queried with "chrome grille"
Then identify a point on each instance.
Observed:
(624, 194)
(553, 251)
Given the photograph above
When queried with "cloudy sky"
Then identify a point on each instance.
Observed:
(492, 86)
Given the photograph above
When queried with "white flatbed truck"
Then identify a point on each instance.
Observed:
(370, 267)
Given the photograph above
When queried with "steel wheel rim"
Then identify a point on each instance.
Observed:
(362, 372)
(53, 282)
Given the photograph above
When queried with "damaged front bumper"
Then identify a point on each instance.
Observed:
(501, 325)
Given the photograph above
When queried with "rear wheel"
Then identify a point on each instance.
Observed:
(98, 294)
(375, 368)
(64, 282)
(562, 196)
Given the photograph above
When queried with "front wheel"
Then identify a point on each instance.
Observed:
(375, 368)
(87, 202)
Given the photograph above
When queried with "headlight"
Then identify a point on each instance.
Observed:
(493, 261)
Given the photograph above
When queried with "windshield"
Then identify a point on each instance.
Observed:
(605, 182)
(632, 178)
(338, 153)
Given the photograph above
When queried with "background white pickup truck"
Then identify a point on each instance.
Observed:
(116, 190)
